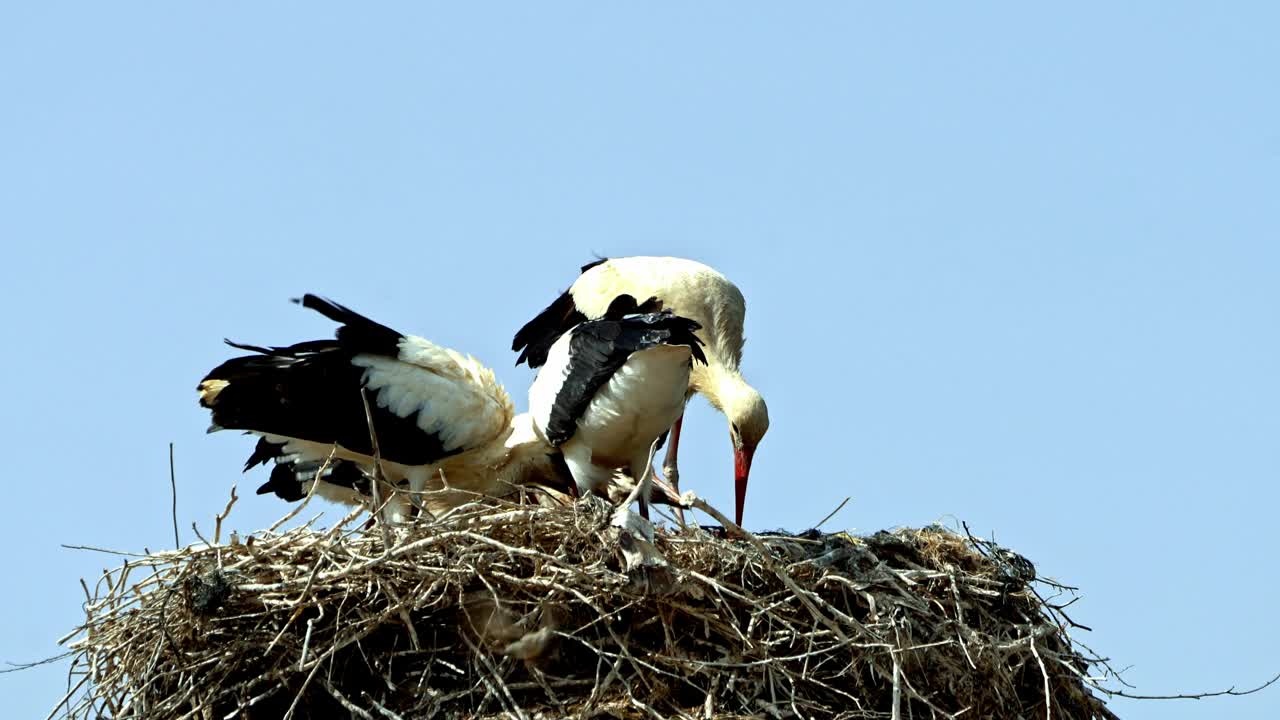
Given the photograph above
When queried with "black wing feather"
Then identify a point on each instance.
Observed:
(264, 452)
(534, 340)
(625, 305)
(597, 348)
(311, 391)
(356, 331)
(288, 479)
(593, 263)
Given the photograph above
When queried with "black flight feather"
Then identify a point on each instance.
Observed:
(356, 331)
(598, 348)
(593, 263)
(312, 391)
(288, 480)
(624, 305)
(284, 483)
(534, 340)
(264, 452)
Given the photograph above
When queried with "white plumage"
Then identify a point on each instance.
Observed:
(451, 395)
(689, 289)
(609, 388)
(441, 418)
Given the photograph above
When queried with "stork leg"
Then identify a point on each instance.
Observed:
(669, 469)
(642, 471)
(644, 482)
(418, 478)
(589, 478)
(642, 490)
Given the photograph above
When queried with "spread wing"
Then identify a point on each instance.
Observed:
(427, 402)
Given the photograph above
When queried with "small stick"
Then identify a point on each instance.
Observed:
(378, 477)
(173, 488)
(1048, 697)
(15, 667)
(832, 514)
(378, 706)
(306, 643)
(897, 685)
(355, 710)
(66, 698)
(217, 519)
(1192, 696)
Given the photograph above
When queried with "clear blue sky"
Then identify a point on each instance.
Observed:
(1008, 265)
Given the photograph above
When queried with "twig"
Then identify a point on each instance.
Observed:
(382, 709)
(173, 491)
(832, 514)
(217, 519)
(104, 550)
(351, 707)
(1048, 696)
(896, 713)
(18, 667)
(306, 644)
(1193, 696)
(67, 697)
(378, 477)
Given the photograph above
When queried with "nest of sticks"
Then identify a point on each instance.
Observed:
(509, 610)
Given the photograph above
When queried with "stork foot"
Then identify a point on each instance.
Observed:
(672, 474)
(661, 493)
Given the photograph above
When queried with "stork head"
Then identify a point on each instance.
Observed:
(528, 459)
(748, 422)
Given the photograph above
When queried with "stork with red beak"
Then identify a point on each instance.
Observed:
(688, 289)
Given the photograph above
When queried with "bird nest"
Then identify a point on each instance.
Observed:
(523, 611)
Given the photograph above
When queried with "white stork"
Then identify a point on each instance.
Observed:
(611, 387)
(689, 289)
(439, 416)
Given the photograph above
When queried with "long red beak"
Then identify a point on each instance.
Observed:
(741, 470)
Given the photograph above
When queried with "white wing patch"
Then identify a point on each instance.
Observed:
(542, 393)
(454, 397)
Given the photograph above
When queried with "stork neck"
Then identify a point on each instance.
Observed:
(721, 385)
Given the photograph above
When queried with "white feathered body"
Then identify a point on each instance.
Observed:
(639, 402)
(686, 287)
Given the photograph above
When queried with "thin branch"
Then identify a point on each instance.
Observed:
(173, 491)
(1194, 696)
(217, 519)
(379, 479)
(18, 667)
(832, 514)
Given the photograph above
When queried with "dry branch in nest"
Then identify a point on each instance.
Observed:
(520, 611)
